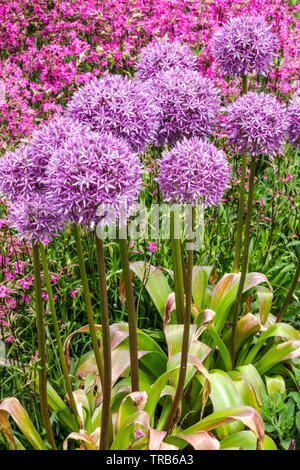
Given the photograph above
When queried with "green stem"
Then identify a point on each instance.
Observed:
(238, 299)
(178, 272)
(290, 293)
(88, 303)
(239, 229)
(106, 414)
(131, 316)
(185, 342)
(41, 344)
(57, 332)
(244, 85)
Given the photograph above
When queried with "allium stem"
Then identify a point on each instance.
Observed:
(237, 305)
(178, 271)
(88, 303)
(41, 344)
(239, 229)
(57, 332)
(290, 293)
(131, 316)
(185, 341)
(106, 414)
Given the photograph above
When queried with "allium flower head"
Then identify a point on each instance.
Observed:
(294, 122)
(119, 105)
(244, 45)
(164, 55)
(194, 171)
(189, 102)
(90, 170)
(23, 171)
(256, 124)
(35, 218)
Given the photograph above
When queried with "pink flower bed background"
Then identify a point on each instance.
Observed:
(49, 48)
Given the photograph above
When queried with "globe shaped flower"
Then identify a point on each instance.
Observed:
(294, 123)
(35, 217)
(244, 45)
(162, 56)
(118, 105)
(194, 171)
(257, 124)
(189, 102)
(23, 171)
(90, 170)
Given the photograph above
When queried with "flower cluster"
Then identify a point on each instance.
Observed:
(119, 105)
(294, 122)
(90, 170)
(257, 124)
(244, 45)
(162, 56)
(194, 171)
(35, 217)
(189, 102)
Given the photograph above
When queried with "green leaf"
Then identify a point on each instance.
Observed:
(247, 440)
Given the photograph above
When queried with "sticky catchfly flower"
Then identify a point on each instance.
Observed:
(164, 55)
(194, 171)
(243, 46)
(294, 123)
(256, 124)
(118, 105)
(189, 102)
(90, 170)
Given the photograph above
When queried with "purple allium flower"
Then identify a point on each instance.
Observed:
(194, 171)
(35, 218)
(189, 102)
(244, 45)
(294, 123)
(90, 170)
(23, 171)
(119, 105)
(162, 56)
(257, 124)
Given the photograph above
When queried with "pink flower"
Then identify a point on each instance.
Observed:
(24, 284)
(54, 278)
(3, 291)
(25, 299)
(152, 247)
(45, 295)
(73, 293)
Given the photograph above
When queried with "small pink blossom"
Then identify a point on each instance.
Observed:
(152, 247)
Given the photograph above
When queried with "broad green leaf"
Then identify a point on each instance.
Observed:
(126, 436)
(247, 440)
(132, 403)
(14, 408)
(275, 384)
(200, 279)
(282, 330)
(223, 395)
(265, 297)
(199, 441)
(6, 431)
(247, 326)
(278, 353)
(155, 283)
(250, 373)
(223, 351)
(248, 416)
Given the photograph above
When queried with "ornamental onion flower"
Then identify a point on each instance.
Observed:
(93, 169)
(294, 123)
(244, 45)
(257, 124)
(189, 102)
(162, 56)
(118, 105)
(35, 217)
(194, 171)
(23, 171)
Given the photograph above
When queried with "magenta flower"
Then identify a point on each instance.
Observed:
(194, 171)
(189, 102)
(257, 124)
(118, 105)
(152, 247)
(90, 170)
(294, 123)
(244, 45)
(164, 55)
